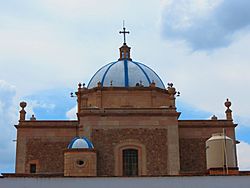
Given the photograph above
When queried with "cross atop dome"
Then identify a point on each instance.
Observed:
(124, 50)
(124, 32)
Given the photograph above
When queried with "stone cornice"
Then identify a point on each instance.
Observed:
(76, 150)
(48, 124)
(205, 123)
(92, 90)
(129, 111)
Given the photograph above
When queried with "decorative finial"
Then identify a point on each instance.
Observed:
(22, 111)
(152, 84)
(170, 85)
(72, 94)
(99, 84)
(214, 117)
(228, 103)
(33, 118)
(172, 91)
(79, 85)
(228, 110)
(124, 32)
(23, 105)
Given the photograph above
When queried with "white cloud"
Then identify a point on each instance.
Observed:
(41, 48)
(75, 9)
(56, 43)
(32, 104)
(8, 117)
(205, 24)
(94, 10)
(243, 152)
(205, 80)
(71, 114)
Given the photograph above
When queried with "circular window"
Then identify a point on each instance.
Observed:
(80, 162)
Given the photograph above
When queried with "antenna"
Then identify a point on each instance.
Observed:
(225, 168)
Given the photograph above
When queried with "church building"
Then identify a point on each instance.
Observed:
(127, 125)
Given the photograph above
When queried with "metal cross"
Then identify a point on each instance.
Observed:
(124, 32)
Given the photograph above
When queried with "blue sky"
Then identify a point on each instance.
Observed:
(48, 46)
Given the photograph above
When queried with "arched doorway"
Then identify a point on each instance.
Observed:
(130, 158)
(130, 162)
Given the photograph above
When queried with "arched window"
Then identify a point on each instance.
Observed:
(126, 54)
(130, 162)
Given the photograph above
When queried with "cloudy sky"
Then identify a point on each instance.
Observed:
(48, 46)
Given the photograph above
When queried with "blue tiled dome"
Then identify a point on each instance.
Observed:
(79, 143)
(125, 73)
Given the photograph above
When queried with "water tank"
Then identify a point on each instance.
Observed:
(220, 152)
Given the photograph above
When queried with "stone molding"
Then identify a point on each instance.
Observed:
(130, 144)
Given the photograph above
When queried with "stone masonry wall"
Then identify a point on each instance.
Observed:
(193, 155)
(193, 135)
(155, 141)
(48, 152)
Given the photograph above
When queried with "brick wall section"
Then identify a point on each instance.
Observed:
(154, 139)
(49, 153)
(193, 155)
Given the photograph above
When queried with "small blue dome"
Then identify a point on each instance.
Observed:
(79, 143)
(125, 73)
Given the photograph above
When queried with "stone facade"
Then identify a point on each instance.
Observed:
(155, 141)
(144, 119)
(138, 114)
(43, 143)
